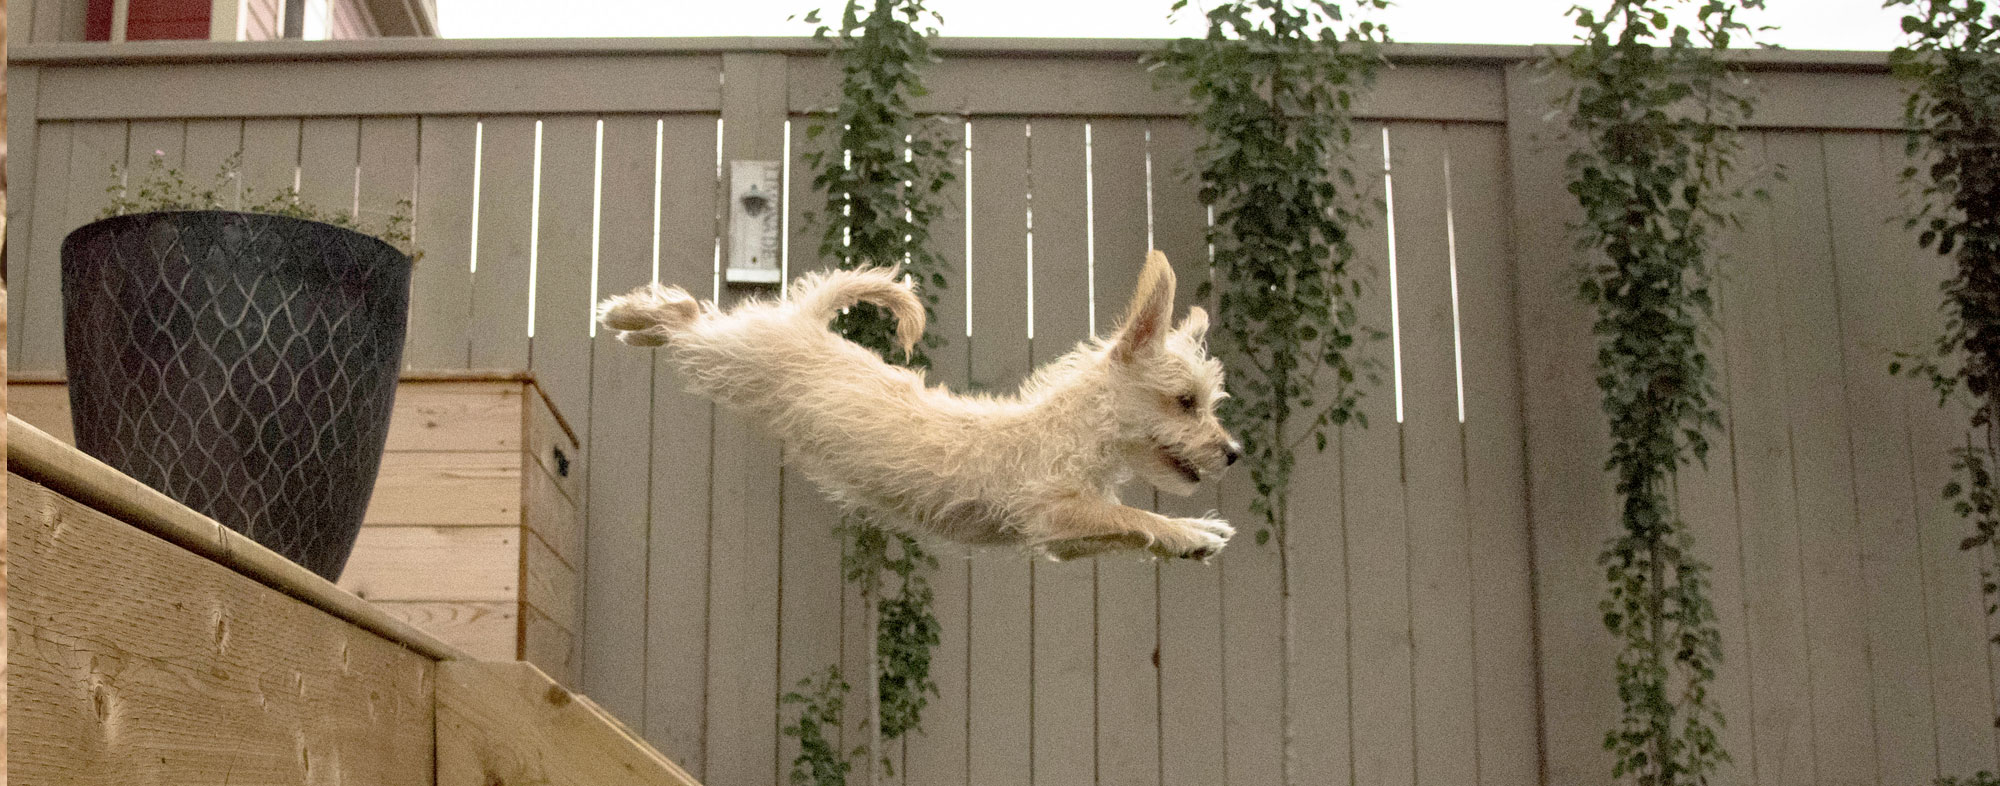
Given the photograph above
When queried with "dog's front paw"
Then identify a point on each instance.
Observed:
(1193, 538)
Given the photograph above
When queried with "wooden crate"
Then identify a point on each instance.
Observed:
(148, 644)
(473, 533)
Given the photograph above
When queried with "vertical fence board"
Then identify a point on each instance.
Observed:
(618, 440)
(1190, 594)
(1378, 545)
(1836, 643)
(499, 320)
(1128, 690)
(388, 168)
(210, 144)
(27, 155)
(677, 621)
(35, 278)
(1501, 567)
(329, 154)
(270, 158)
(559, 351)
(1064, 593)
(441, 285)
(1000, 733)
(1434, 464)
(162, 139)
(1893, 556)
(811, 585)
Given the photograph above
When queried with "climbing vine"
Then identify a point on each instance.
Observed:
(1273, 85)
(1952, 115)
(883, 171)
(1654, 109)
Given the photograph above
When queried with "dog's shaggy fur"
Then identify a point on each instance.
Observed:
(1039, 468)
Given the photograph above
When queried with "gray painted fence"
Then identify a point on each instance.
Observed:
(1432, 617)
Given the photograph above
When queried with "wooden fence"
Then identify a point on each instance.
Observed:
(1432, 617)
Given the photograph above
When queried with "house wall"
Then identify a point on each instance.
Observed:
(1431, 615)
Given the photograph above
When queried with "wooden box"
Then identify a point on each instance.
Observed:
(473, 533)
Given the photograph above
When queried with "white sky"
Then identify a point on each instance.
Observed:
(1803, 24)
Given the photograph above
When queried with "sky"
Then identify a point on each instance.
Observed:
(1802, 24)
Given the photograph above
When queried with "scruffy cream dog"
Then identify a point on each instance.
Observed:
(1039, 468)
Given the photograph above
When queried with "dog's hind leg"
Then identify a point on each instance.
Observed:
(1083, 527)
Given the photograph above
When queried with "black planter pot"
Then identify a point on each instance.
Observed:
(244, 364)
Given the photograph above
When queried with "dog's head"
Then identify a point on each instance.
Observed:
(1166, 388)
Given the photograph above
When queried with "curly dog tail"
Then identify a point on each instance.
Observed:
(649, 315)
(821, 296)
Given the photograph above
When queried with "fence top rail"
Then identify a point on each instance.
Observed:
(95, 53)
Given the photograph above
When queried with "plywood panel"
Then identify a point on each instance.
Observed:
(615, 549)
(1000, 617)
(435, 563)
(504, 223)
(132, 660)
(1128, 669)
(441, 284)
(679, 550)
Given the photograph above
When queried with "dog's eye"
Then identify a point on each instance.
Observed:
(1186, 402)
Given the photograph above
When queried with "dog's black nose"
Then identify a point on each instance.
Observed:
(1231, 451)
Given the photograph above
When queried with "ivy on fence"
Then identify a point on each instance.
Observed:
(1952, 117)
(1654, 110)
(883, 173)
(1273, 85)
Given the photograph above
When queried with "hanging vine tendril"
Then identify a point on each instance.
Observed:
(1273, 85)
(1654, 110)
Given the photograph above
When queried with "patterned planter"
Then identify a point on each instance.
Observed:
(244, 364)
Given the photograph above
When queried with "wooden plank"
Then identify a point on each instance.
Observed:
(552, 448)
(1502, 567)
(939, 755)
(1822, 469)
(621, 400)
(1253, 645)
(509, 723)
(1064, 600)
(441, 284)
(1756, 344)
(1190, 595)
(46, 407)
(459, 416)
(1000, 679)
(72, 195)
(677, 621)
(1892, 551)
(163, 139)
(500, 274)
(484, 630)
(1440, 559)
(744, 537)
(447, 489)
(1570, 497)
(550, 646)
(559, 350)
(553, 517)
(37, 457)
(301, 88)
(22, 180)
(435, 563)
(549, 584)
(1128, 633)
(210, 144)
(329, 159)
(134, 661)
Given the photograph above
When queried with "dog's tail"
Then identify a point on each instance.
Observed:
(649, 315)
(821, 296)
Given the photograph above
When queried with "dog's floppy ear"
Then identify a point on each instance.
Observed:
(1151, 312)
(1195, 325)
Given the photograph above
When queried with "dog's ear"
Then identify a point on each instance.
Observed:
(1195, 325)
(1151, 312)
